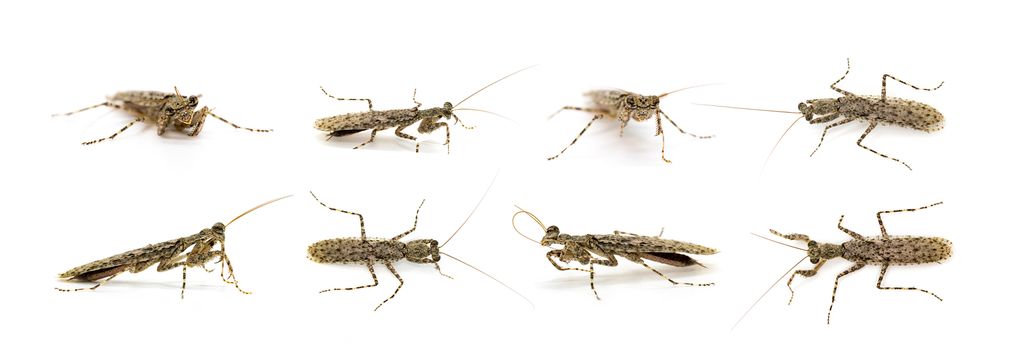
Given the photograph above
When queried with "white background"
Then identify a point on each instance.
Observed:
(260, 66)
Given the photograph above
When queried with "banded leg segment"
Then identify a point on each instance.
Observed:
(880, 220)
(883, 270)
(590, 271)
(106, 104)
(834, 292)
(237, 126)
(414, 223)
(883, 86)
(110, 137)
(859, 143)
(376, 282)
(838, 123)
(804, 273)
(368, 101)
(597, 117)
(362, 224)
(851, 233)
(373, 135)
(834, 86)
(401, 282)
(660, 274)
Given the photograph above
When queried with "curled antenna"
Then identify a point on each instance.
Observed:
(258, 207)
(473, 209)
(766, 291)
(491, 84)
(491, 277)
(686, 88)
(536, 219)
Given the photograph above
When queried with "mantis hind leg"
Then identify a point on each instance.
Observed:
(369, 266)
(880, 220)
(883, 86)
(597, 117)
(372, 136)
(660, 274)
(883, 270)
(110, 137)
(362, 223)
(859, 143)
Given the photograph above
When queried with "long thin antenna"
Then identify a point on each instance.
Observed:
(491, 84)
(748, 109)
(782, 243)
(766, 292)
(491, 277)
(485, 111)
(686, 88)
(258, 207)
(514, 223)
(786, 132)
(491, 182)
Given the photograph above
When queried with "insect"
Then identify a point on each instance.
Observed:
(370, 251)
(633, 247)
(161, 108)
(872, 109)
(884, 250)
(168, 255)
(624, 106)
(428, 119)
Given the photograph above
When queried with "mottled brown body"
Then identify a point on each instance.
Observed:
(881, 109)
(369, 251)
(585, 250)
(624, 106)
(400, 119)
(161, 109)
(358, 250)
(897, 250)
(138, 260)
(883, 250)
(429, 119)
(872, 109)
(168, 255)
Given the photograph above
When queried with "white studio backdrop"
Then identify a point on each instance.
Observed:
(261, 65)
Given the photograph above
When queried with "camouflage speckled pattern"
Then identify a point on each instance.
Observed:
(168, 255)
(586, 250)
(400, 119)
(141, 257)
(647, 244)
(369, 251)
(884, 250)
(624, 106)
(872, 109)
(897, 250)
(162, 109)
(355, 250)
